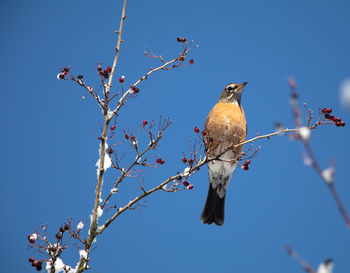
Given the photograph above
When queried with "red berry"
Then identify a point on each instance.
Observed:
(35, 263)
(184, 159)
(204, 133)
(196, 130)
(31, 238)
(109, 69)
(61, 76)
(337, 124)
(190, 161)
(121, 79)
(113, 127)
(329, 110)
(160, 161)
(109, 150)
(31, 259)
(136, 90)
(61, 229)
(144, 123)
(39, 267)
(126, 136)
(59, 236)
(191, 61)
(245, 167)
(132, 137)
(185, 183)
(323, 110)
(342, 123)
(336, 119)
(99, 68)
(190, 187)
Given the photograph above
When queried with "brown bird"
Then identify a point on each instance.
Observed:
(225, 126)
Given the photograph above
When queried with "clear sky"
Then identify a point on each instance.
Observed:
(49, 148)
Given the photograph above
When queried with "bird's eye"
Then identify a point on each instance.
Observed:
(230, 88)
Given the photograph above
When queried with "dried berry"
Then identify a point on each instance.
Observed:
(181, 40)
(184, 159)
(186, 183)
(191, 61)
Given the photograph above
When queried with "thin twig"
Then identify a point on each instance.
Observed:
(300, 260)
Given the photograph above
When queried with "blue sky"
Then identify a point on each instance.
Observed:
(49, 148)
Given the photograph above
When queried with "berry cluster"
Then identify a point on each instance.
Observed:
(246, 165)
(181, 40)
(187, 185)
(105, 72)
(337, 121)
(160, 161)
(36, 263)
(197, 130)
(63, 73)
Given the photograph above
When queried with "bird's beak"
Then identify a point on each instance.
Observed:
(242, 85)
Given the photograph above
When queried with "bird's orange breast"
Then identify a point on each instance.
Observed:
(226, 123)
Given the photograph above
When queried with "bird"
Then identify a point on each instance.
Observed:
(225, 126)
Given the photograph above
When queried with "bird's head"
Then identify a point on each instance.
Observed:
(232, 93)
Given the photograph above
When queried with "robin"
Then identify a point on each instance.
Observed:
(225, 127)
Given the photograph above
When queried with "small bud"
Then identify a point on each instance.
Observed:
(144, 123)
(31, 259)
(113, 127)
(191, 61)
(99, 68)
(136, 90)
(184, 159)
(181, 58)
(196, 130)
(204, 133)
(190, 161)
(121, 79)
(61, 229)
(186, 183)
(126, 136)
(190, 187)
(80, 77)
(132, 137)
(109, 150)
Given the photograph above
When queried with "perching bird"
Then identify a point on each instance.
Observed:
(224, 127)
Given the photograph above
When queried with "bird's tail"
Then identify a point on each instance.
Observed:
(214, 209)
